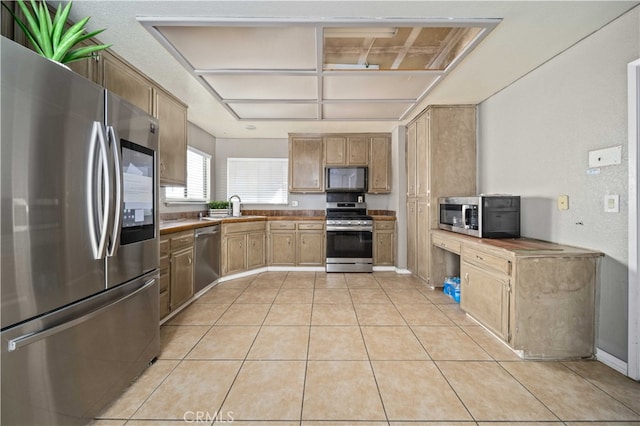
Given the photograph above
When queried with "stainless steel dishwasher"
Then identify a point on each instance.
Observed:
(207, 264)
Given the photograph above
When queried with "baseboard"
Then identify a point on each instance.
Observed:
(403, 271)
(611, 361)
(296, 268)
(384, 269)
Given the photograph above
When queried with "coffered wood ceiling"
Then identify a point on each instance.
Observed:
(237, 81)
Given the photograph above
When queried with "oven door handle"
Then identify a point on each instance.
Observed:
(349, 228)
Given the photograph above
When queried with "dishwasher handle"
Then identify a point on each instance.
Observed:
(207, 230)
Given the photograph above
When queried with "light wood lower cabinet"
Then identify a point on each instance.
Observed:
(311, 244)
(243, 247)
(537, 296)
(485, 296)
(384, 243)
(297, 243)
(176, 270)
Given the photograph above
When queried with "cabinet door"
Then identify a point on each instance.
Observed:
(422, 235)
(86, 67)
(235, 254)
(125, 82)
(412, 239)
(422, 156)
(384, 248)
(255, 250)
(173, 139)
(410, 158)
(335, 148)
(282, 248)
(485, 296)
(305, 165)
(380, 165)
(357, 151)
(181, 276)
(311, 251)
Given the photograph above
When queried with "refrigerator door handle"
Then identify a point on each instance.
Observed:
(27, 339)
(98, 242)
(117, 223)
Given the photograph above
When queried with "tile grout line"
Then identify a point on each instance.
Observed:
(235, 378)
(597, 387)
(373, 372)
(306, 362)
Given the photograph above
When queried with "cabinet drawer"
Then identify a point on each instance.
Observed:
(164, 247)
(487, 261)
(164, 280)
(164, 264)
(277, 225)
(305, 226)
(164, 304)
(445, 243)
(384, 224)
(181, 240)
(242, 227)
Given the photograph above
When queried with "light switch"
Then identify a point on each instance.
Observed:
(563, 202)
(612, 203)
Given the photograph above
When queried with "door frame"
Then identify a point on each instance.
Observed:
(633, 359)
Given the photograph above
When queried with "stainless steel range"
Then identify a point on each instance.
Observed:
(349, 234)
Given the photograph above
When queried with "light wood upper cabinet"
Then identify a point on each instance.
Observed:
(380, 165)
(126, 82)
(335, 149)
(172, 116)
(346, 150)
(306, 164)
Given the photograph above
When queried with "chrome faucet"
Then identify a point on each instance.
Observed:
(230, 207)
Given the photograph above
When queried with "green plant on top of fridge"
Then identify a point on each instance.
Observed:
(48, 35)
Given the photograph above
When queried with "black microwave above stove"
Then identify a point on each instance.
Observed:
(346, 179)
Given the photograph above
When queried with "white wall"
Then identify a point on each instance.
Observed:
(534, 141)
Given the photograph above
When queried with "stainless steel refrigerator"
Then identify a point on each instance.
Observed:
(79, 242)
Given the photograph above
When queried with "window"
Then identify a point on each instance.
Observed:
(198, 178)
(258, 180)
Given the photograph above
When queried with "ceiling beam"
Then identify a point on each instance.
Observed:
(415, 32)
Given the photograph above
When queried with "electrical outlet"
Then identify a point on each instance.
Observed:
(294, 203)
(563, 202)
(612, 203)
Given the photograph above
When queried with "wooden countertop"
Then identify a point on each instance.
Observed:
(171, 226)
(519, 247)
(177, 225)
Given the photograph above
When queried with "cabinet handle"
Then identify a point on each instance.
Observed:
(162, 168)
(190, 261)
(479, 257)
(466, 277)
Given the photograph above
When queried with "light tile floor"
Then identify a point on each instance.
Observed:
(305, 348)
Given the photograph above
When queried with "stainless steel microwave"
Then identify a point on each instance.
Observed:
(346, 179)
(483, 216)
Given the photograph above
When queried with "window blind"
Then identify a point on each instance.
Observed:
(258, 180)
(198, 178)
